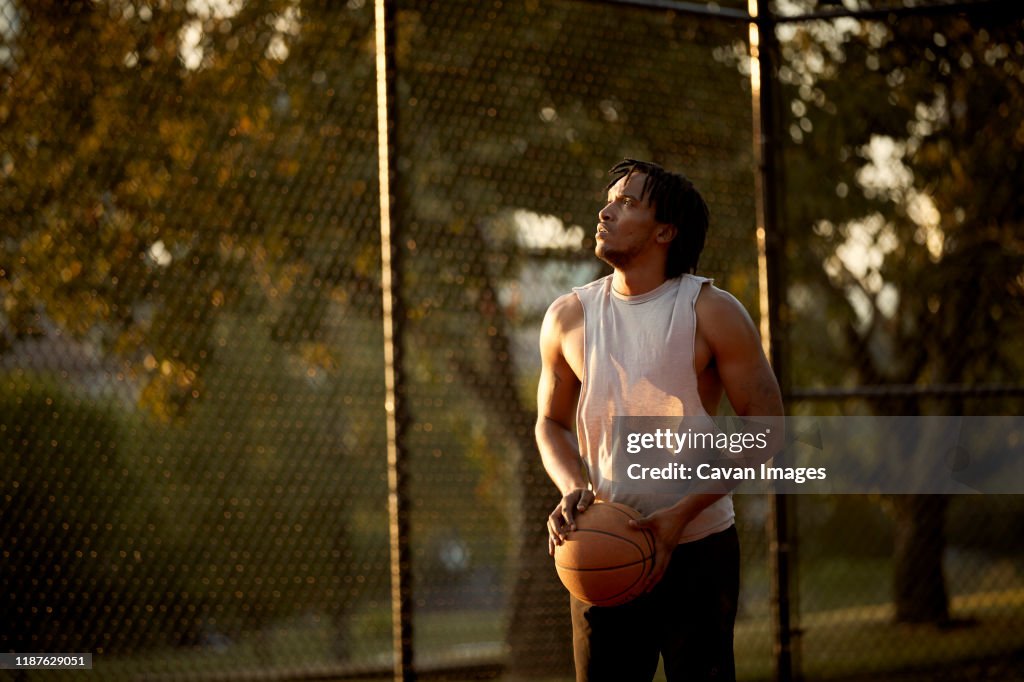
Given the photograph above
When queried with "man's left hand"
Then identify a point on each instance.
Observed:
(666, 525)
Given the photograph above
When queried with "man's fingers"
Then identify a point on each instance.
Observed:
(557, 527)
(641, 523)
(563, 519)
(569, 516)
(655, 575)
(553, 524)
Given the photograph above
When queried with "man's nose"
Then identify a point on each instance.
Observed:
(605, 213)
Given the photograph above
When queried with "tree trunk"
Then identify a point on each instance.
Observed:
(540, 629)
(919, 585)
(539, 634)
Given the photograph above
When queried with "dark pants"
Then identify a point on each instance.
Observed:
(687, 618)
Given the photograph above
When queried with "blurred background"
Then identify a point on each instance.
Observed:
(193, 443)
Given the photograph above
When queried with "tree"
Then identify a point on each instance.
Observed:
(202, 184)
(903, 226)
(157, 211)
(69, 567)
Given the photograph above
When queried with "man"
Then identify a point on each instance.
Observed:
(651, 339)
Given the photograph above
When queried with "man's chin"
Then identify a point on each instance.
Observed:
(612, 258)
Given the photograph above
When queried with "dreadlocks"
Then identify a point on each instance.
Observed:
(676, 202)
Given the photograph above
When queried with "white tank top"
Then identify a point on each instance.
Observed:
(638, 361)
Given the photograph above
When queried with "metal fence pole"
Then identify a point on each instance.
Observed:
(396, 412)
(770, 239)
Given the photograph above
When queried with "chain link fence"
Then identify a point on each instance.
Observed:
(903, 213)
(192, 407)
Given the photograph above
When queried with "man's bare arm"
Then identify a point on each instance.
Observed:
(746, 376)
(557, 396)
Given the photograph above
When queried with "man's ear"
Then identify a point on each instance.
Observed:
(666, 233)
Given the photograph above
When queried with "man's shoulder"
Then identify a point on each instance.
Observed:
(564, 316)
(568, 308)
(565, 310)
(720, 314)
(714, 300)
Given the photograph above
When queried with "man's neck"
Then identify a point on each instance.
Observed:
(634, 282)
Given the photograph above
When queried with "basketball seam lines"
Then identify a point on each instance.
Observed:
(600, 568)
(608, 568)
(611, 535)
(643, 559)
(646, 533)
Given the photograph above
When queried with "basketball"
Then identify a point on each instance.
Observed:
(604, 561)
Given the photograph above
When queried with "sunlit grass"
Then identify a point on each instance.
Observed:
(835, 642)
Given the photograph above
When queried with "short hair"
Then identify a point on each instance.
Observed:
(676, 202)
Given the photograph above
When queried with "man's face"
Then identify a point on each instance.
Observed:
(626, 225)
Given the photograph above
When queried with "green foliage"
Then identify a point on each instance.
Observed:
(191, 194)
(81, 536)
(270, 482)
(904, 213)
(147, 198)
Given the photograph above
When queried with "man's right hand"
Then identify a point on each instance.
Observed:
(563, 518)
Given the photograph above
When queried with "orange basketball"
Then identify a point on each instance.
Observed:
(604, 562)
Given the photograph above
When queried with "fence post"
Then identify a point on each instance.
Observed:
(396, 411)
(771, 263)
